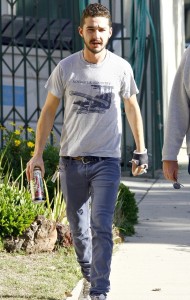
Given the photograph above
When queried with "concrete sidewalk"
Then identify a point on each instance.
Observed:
(155, 262)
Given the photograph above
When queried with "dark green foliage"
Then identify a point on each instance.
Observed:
(19, 148)
(126, 211)
(17, 211)
(51, 161)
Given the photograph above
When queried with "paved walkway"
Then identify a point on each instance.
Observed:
(155, 262)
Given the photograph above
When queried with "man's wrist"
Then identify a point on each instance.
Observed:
(169, 160)
(38, 154)
(139, 152)
(140, 158)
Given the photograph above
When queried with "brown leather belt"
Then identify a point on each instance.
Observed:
(86, 159)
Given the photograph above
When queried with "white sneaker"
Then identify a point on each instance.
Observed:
(84, 294)
(99, 297)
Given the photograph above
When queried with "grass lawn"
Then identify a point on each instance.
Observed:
(47, 276)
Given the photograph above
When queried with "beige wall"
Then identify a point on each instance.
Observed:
(172, 43)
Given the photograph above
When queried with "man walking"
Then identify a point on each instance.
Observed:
(92, 82)
(178, 120)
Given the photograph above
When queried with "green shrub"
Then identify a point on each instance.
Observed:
(18, 148)
(126, 211)
(51, 161)
(56, 209)
(17, 211)
(1, 244)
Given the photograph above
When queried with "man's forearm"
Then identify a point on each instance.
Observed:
(45, 123)
(137, 129)
(44, 127)
(135, 121)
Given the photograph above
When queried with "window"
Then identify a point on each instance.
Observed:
(41, 8)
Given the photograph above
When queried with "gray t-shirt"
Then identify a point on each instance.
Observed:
(92, 102)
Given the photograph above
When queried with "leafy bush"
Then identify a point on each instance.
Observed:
(51, 160)
(126, 211)
(57, 207)
(18, 148)
(17, 211)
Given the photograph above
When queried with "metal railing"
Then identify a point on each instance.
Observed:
(36, 36)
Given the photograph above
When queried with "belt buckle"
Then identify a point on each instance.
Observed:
(83, 160)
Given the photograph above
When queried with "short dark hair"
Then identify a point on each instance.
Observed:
(95, 10)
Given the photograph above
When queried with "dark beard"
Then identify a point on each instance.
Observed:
(94, 51)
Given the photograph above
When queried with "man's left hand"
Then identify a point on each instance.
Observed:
(139, 163)
(138, 170)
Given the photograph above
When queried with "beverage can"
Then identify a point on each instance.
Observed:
(36, 186)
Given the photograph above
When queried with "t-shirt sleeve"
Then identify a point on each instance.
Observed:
(129, 86)
(177, 121)
(55, 83)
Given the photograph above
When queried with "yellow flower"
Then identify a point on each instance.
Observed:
(17, 143)
(32, 153)
(30, 144)
(29, 129)
(17, 132)
(12, 123)
(2, 127)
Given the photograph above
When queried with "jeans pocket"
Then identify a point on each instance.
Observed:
(115, 163)
(63, 164)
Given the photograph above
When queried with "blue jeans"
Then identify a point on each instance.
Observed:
(90, 191)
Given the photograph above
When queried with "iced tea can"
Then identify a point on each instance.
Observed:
(36, 186)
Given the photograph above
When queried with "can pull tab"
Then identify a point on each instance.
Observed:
(55, 175)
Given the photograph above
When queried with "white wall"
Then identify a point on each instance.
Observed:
(172, 43)
(5, 7)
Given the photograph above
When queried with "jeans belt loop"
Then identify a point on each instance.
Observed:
(83, 160)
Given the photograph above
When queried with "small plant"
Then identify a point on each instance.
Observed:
(1, 244)
(17, 211)
(18, 148)
(51, 160)
(126, 211)
(57, 207)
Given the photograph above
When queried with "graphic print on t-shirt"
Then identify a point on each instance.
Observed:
(97, 102)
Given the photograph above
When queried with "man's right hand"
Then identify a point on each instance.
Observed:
(170, 170)
(35, 161)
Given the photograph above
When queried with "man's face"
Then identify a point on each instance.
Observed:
(95, 33)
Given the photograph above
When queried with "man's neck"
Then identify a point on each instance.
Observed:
(94, 58)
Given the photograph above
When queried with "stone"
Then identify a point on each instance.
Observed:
(41, 236)
(64, 237)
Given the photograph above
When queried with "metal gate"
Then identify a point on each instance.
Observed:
(37, 34)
